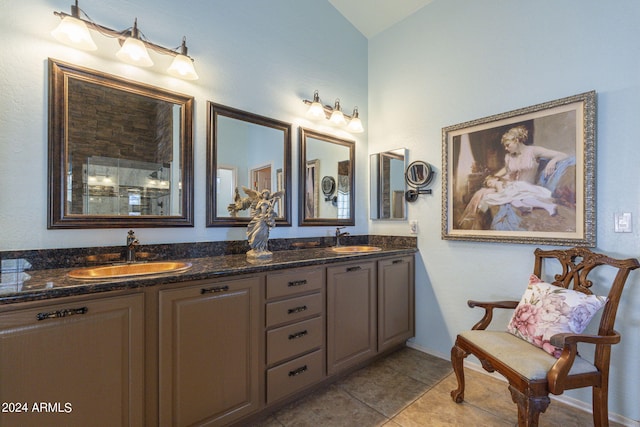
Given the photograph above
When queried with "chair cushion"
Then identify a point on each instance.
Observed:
(529, 361)
(546, 310)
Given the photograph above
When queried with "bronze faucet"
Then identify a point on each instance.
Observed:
(132, 242)
(339, 234)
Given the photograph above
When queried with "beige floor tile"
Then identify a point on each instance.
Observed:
(329, 407)
(423, 367)
(383, 388)
(435, 408)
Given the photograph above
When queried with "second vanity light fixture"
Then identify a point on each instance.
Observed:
(333, 114)
(74, 31)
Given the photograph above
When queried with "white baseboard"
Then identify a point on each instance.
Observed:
(579, 404)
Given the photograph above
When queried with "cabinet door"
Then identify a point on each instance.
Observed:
(209, 355)
(76, 362)
(351, 315)
(395, 301)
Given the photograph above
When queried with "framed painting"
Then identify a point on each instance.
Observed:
(525, 176)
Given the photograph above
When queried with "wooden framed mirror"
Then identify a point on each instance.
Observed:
(323, 159)
(387, 184)
(120, 152)
(245, 150)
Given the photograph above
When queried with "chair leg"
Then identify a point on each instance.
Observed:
(457, 361)
(529, 407)
(600, 407)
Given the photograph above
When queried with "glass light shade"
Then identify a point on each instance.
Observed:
(134, 52)
(355, 125)
(337, 118)
(316, 111)
(74, 32)
(182, 67)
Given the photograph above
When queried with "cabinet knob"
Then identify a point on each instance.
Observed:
(356, 268)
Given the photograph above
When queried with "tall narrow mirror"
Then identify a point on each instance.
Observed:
(326, 179)
(245, 152)
(120, 152)
(387, 185)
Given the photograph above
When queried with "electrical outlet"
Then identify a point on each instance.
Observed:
(413, 226)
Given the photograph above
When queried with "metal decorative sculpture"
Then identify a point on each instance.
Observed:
(262, 211)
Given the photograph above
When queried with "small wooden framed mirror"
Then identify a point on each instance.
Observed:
(323, 159)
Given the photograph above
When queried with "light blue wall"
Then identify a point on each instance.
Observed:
(260, 56)
(462, 60)
(454, 61)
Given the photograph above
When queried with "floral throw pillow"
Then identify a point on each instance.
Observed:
(546, 310)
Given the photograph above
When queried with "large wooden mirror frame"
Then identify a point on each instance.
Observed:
(245, 150)
(120, 152)
(326, 159)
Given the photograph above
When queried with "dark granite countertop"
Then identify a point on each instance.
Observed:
(54, 283)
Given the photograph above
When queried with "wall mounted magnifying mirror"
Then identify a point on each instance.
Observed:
(325, 159)
(245, 150)
(120, 152)
(418, 175)
(387, 184)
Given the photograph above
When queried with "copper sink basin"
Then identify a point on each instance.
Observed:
(128, 270)
(355, 249)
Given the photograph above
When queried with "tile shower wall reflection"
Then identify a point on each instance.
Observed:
(125, 187)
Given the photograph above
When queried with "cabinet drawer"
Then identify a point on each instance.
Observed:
(291, 340)
(295, 375)
(295, 281)
(293, 309)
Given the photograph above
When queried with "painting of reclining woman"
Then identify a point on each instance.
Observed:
(532, 185)
(517, 177)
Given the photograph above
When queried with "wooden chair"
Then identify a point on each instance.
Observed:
(533, 373)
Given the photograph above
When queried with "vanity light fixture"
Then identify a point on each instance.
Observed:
(316, 110)
(337, 117)
(73, 31)
(355, 124)
(133, 50)
(334, 114)
(182, 65)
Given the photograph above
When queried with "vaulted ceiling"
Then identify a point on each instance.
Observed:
(373, 16)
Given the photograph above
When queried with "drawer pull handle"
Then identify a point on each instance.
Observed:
(397, 261)
(297, 309)
(297, 283)
(298, 335)
(298, 371)
(214, 290)
(61, 313)
(356, 268)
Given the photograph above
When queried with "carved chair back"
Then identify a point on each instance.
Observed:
(576, 264)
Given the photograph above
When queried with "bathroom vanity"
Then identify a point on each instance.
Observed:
(220, 343)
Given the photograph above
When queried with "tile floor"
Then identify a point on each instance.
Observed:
(408, 389)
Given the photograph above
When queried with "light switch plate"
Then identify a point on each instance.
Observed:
(413, 226)
(622, 222)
